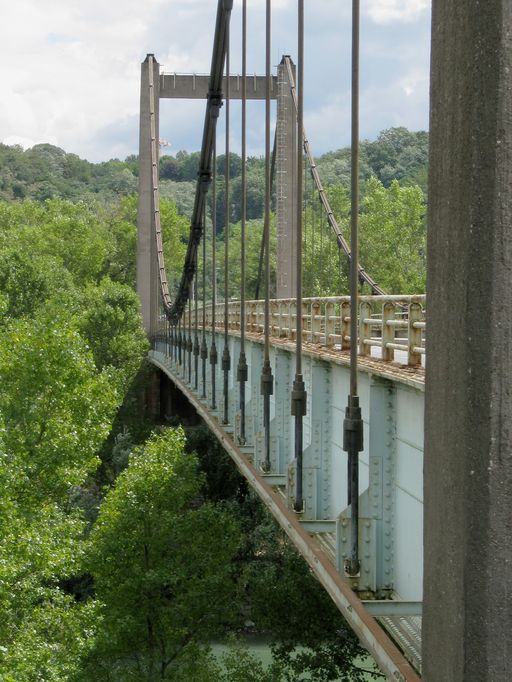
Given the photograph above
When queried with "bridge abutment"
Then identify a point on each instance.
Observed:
(468, 460)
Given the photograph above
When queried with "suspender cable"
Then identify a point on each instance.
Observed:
(299, 396)
(213, 347)
(267, 380)
(340, 239)
(242, 369)
(196, 336)
(353, 424)
(226, 360)
(179, 341)
(189, 340)
(204, 350)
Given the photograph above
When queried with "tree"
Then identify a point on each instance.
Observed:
(392, 237)
(55, 411)
(310, 640)
(111, 322)
(325, 266)
(397, 154)
(56, 407)
(30, 279)
(161, 565)
(254, 233)
(169, 168)
(121, 221)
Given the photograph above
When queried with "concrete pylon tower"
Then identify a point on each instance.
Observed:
(467, 612)
(146, 244)
(183, 86)
(286, 184)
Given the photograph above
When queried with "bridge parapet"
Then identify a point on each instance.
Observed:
(391, 328)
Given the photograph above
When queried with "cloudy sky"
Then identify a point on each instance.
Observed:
(69, 69)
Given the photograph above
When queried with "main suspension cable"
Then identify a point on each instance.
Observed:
(340, 239)
(175, 310)
(267, 380)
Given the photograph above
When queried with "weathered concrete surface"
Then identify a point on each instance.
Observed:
(468, 459)
(146, 248)
(195, 86)
(286, 186)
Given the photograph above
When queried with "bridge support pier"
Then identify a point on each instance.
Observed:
(468, 454)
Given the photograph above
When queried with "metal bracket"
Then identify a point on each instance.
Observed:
(368, 547)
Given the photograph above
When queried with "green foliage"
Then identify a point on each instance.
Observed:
(56, 407)
(66, 234)
(111, 323)
(393, 237)
(397, 154)
(324, 650)
(310, 640)
(325, 271)
(181, 193)
(56, 411)
(161, 566)
(47, 172)
(254, 234)
(121, 224)
(29, 279)
(175, 232)
(392, 244)
(238, 664)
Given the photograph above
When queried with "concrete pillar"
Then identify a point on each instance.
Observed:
(286, 185)
(146, 246)
(468, 454)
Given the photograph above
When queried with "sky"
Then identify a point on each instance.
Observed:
(70, 69)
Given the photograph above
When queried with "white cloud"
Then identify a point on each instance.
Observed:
(70, 69)
(328, 126)
(389, 11)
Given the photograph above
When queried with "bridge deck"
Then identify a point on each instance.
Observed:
(397, 370)
(393, 640)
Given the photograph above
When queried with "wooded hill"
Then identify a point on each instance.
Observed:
(46, 171)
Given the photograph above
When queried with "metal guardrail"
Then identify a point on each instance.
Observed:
(390, 323)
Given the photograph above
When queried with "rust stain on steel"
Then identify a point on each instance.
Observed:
(388, 657)
(412, 376)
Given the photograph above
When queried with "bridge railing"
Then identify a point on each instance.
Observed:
(391, 327)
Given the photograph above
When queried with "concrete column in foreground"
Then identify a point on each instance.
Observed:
(467, 620)
(286, 185)
(146, 246)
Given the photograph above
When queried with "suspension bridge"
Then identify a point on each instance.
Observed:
(320, 401)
